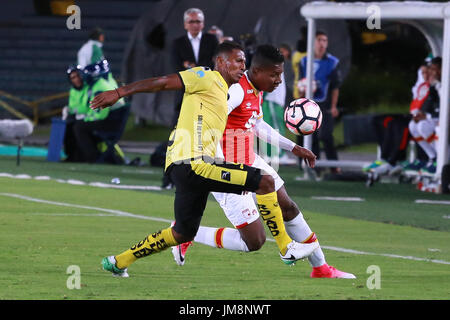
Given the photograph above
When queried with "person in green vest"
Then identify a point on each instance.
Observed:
(76, 110)
(95, 78)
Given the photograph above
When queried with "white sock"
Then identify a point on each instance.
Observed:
(227, 238)
(299, 231)
(424, 129)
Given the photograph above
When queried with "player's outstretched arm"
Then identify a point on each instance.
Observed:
(268, 134)
(108, 98)
(306, 154)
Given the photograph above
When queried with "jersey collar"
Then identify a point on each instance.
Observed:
(222, 81)
(255, 91)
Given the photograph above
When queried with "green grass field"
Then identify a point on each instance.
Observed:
(48, 225)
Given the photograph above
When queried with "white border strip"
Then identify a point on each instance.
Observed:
(131, 215)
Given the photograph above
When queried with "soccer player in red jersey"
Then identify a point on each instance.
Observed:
(245, 121)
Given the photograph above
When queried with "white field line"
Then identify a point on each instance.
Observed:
(385, 255)
(81, 183)
(131, 215)
(432, 201)
(338, 198)
(62, 214)
(63, 204)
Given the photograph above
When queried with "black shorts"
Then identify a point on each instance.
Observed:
(195, 180)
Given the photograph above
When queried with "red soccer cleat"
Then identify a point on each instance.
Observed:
(326, 271)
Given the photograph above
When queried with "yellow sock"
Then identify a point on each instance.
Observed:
(273, 217)
(153, 243)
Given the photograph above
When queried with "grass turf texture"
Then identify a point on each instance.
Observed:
(39, 241)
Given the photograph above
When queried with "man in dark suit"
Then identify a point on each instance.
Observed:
(195, 48)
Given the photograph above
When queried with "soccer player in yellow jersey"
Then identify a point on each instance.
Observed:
(190, 160)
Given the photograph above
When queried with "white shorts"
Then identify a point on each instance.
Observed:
(241, 210)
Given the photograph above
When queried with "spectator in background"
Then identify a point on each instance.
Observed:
(92, 50)
(227, 38)
(328, 80)
(94, 121)
(423, 69)
(195, 48)
(393, 134)
(426, 118)
(273, 111)
(297, 55)
(74, 111)
(215, 30)
(286, 51)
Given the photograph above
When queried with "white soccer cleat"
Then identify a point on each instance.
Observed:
(179, 252)
(296, 251)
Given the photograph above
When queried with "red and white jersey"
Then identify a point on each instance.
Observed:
(244, 108)
(420, 96)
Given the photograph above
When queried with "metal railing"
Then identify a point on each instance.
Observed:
(33, 105)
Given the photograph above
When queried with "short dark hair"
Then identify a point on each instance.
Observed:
(227, 47)
(95, 33)
(321, 33)
(437, 61)
(267, 55)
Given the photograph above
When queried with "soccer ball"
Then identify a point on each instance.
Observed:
(303, 117)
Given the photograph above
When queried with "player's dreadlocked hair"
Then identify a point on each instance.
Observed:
(266, 55)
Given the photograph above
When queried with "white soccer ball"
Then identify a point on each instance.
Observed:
(303, 116)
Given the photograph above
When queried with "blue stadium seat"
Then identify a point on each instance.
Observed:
(35, 52)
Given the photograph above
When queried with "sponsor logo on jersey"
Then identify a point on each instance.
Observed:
(200, 73)
(226, 175)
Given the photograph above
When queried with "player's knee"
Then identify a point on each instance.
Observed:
(266, 185)
(256, 243)
(183, 233)
(182, 238)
